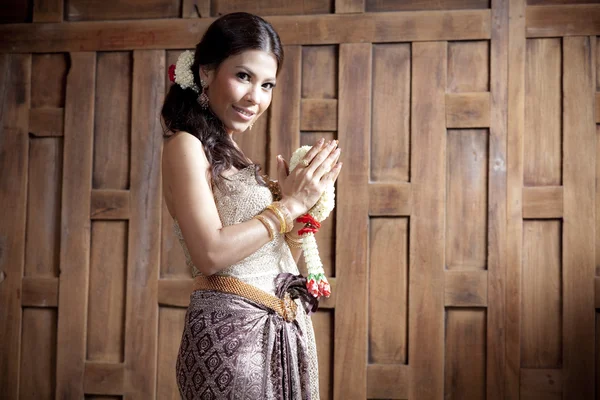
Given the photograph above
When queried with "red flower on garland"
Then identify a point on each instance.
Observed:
(324, 288)
(313, 287)
(172, 72)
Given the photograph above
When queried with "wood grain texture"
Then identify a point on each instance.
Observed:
(390, 199)
(466, 289)
(39, 292)
(48, 11)
(98, 10)
(541, 383)
(388, 290)
(48, 80)
(285, 112)
(474, 78)
(318, 115)
(272, 7)
(390, 136)
(563, 20)
(323, 323)
(320, 72)
(395, 5)
(468, 110)
(579, 216)
(597, 103)
(349, 6)
(195, 8)
(103, 378)
(170, 326)
(426, 297)
(354, 122)
(293, 30)
(141, 327)
(46, 122)
(107, 204)
(543, 202)
(386, 381)
(75, 226)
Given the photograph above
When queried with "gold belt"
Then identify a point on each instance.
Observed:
(285, 307)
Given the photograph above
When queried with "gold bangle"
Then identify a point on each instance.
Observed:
(286, 223)
(268, 224)
(292, 242)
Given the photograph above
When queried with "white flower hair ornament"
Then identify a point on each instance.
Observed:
(316, 281)
(181, 72)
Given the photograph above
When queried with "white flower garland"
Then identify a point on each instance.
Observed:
(183, 71)
(317, 282)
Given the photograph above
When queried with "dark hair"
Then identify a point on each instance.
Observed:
(229, 35)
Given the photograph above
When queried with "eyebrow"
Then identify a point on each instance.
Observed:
(249, 71)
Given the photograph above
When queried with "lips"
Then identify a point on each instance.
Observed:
(243, 112)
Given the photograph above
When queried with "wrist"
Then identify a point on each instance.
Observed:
(293, 207)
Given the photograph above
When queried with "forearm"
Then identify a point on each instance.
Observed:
(296, 252)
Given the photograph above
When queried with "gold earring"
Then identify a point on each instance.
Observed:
(251, 125)
(203, 98)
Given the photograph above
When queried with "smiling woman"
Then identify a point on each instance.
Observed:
(247, 330)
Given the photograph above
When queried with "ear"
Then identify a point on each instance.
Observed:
(207, 75)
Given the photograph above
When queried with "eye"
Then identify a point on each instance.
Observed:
(269, 85)
(243, 76)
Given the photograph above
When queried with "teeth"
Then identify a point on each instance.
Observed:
(244, 112)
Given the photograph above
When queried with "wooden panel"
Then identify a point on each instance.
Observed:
(465, 354)
(326, 236)
(541, 384)
(318, 115)
(466, 289)
(320, 72)
(293, 30)
(46, 121)
(541, 312)
(426, 297)
(175, 292)
(170, 327)
(106, 303)
(388, 290)
(40, 292)
(324, 331)
(42, 244)
(597, 291)
(75, 225)
(103, 378)
(98, 10)
(543, 91)
(285, 112)
(393, 199)
(112, 121)
(15, 73)
(563, 20)
(475, 78)
(543, 202)
(597, 108)
(466, 199)
(352, 227)
(578, 240)
(16, 11)
(195, 8)
(48, 11)
(390, 136)
(172, 261)
(349, 6)
(598, 196)
(395, 5)
(468, 110)
(109, 204)
(48, 78)
(387, 381)
(38, 358)
(272, 7)
(144, 225)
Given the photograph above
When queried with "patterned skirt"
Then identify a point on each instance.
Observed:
(235, 348)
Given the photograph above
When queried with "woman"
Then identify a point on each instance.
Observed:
(247, 334)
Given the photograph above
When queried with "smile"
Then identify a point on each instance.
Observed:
(242, 112)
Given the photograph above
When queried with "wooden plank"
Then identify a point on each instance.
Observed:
(324, 335)
(497, 203)
(466, 289)
(563, 20)
(387, 381)
(141, 328)
(468, 110)
(415, 5)
(466, 199)
(475, 54)
(14, 146)
(46, 121)
(293, 30)
(320, 72)
(103, 378)
(349, 6)
(170, 326)
(390, 135)
(388, 290)
(597, 105)
(110, 204)
(390, 199)
(48, 11)
(285, 112)
(542, 202)
(318, 115)
(515, 132)
(427, 237)
(39, 292)
(579, 133)
(98, 10)
(75, 238)
(48, 77)
(272, 7)
(195, 8)
(597, 291)
(541, 384)
(352, 224)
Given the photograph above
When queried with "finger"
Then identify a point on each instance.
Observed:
(287, 166)
(322, 156)
(327, 164)
(281, 170)
(308, 157)
(330, 177)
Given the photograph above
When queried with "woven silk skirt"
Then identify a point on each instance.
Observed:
(237, 348)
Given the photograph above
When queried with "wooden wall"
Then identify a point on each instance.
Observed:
(465, 249)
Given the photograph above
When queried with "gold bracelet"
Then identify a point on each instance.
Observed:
(292, 242)
(268, 224)
(286, 223)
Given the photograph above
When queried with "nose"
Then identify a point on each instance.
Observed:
(253, 95)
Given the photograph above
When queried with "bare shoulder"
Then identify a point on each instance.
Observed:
(182, 145)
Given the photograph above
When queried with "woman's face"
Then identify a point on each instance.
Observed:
(240, 89)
